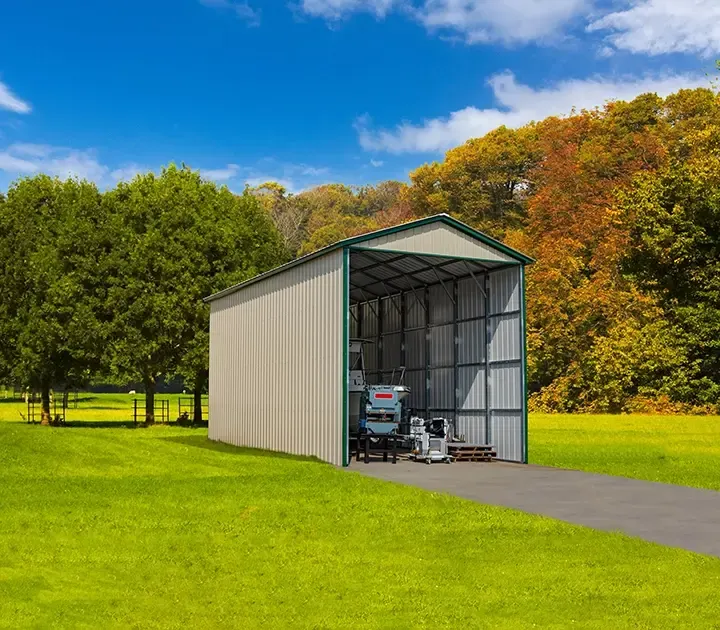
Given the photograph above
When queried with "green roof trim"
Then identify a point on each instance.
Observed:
(437, 218)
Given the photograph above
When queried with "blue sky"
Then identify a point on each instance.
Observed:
(314, 91)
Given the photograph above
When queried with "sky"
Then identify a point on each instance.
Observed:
(308, 92)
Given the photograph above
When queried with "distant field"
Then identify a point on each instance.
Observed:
(682, 450)
(110, 409)
(160, 528)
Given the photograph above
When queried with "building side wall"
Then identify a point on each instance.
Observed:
(438, 239)
(276, 362)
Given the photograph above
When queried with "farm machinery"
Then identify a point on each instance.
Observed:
(382, 409)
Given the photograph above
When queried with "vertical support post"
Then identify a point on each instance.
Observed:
(380, 353)
(403, 321)
(456, 354)
(523, 349)
(488, 334)
(135, 410)
(426, 298)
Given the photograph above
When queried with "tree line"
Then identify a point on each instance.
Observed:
(109, 286)
(619, 205)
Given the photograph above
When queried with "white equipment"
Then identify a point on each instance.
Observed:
(426, 447)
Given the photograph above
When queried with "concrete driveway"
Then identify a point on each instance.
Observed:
(677, 516)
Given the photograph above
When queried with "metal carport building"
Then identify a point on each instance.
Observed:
(438, 297)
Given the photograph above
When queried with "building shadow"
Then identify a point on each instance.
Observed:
(202, 441)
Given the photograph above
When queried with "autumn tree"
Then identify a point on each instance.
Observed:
(290, 213)
(484, 182)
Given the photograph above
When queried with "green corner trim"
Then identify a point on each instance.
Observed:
(345, 351)
(523, 329)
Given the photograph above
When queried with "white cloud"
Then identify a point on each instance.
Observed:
(128, 172)
(518, 105)
(14, 164)
(338, 9)
(11, 102)
(376, 163)
(80, 164)
(656, 27)
(24, 158)
(294, 177)
(511, 21)
(31, 150)
(242, 10)
(220, 174)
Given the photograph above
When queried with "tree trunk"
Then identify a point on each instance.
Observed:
(200, 380)
(149, 383)
(45, 417)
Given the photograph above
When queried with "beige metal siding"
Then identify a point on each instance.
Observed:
(276, 362)
(440, 239)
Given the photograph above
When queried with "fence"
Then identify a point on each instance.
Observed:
(162, 405)
(34, 408)
(187, 406)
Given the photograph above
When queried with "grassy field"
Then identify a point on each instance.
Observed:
(134, 527)
(672, 449)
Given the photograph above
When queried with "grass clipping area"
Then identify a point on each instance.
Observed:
(157, 527)
(682, 450)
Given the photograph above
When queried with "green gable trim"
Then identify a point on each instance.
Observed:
(355, 240)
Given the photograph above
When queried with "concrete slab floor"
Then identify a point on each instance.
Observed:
(676, 516)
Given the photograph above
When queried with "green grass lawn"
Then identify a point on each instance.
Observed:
(157, 527)
(673, 449)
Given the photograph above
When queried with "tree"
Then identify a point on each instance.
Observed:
(178, 238)
(240, 245)
(484, 182)
(674, 253)
(290, 213)
(53, 245)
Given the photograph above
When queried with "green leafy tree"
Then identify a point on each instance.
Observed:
(178, 238)
(53, 245)
(674, 253)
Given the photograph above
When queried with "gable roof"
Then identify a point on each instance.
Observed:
(446, 219)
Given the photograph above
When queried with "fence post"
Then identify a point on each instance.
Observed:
(135, 410)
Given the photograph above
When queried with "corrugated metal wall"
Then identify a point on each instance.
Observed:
(506, 384)
(438, 239)
(449, 339)
(276, 362)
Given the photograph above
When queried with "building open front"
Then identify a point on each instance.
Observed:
(447, 333)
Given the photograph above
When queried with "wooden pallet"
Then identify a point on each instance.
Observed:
(472, 452)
